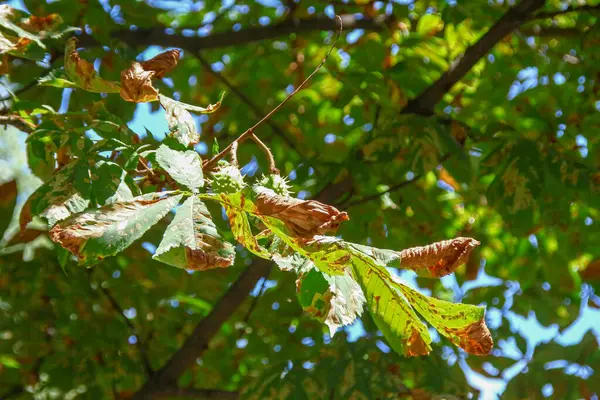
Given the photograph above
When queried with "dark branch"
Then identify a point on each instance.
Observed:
(142, 349)
(199, 340)
(208, 394)
(572, 9)
(425, 103)
(157, 36)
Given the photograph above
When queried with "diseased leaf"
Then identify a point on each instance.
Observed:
(82, 72)
(136, 84)
(58, 198)
(163, 63)
(192, 241)
(240, 226)
(463, 324)
(441, 258)
(183, 166)
(97, 233)
(336, 300)
(108, 183)
(303, 218)
(392, 314)
(181, 124)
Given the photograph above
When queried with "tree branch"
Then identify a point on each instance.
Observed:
(157, 36)
(257, 111)
(140, 345)
(199, 340)
(571, 9)
(208, 394)
(425, 103)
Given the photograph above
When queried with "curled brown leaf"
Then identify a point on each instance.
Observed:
(441, 258)
(162, 63)
(304, 218)
(202, 260)
(475, 338)
(136, 84)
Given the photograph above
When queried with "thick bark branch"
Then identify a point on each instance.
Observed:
(205, 394)
(206, 329)
(425, 103)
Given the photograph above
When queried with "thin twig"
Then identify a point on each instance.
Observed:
(278, 131)
(142, 349)
(272, 166)
(209, 165)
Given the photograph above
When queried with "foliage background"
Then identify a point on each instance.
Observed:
(503, 150)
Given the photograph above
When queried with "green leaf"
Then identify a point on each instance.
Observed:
(463, 324)
(183, 166)
(82, 72)
(192, 241)
(108, 183)
(106, 231)
(199, 304)
(392, 314)
(9, 361)
(58, 198)
(56, 79)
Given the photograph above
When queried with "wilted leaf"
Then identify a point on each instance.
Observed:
(98, 233)
(303, 218)
(136, 84)
(82, 72)
(58, 198)
(441, 258)
(463, 324)
(183, 166)
(181, 124)
(336, 300)
(192, 241)
(162, 63)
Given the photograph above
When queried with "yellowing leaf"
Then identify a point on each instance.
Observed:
(106, 231)
(463, 324)
(82, 72)
(192, 241)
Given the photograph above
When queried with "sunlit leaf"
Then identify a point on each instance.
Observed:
(58, 198)
(183, 166)
(181, 124)
(391, 312)
(82, 72)
(192, 241)
(98, 233)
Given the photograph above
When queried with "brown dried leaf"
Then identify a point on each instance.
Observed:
(304, 218)
(162, 63)
(592, 271)
(136, 84)
(441, 258)
(475, 338)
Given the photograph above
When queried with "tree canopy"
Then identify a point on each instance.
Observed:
(299, 199)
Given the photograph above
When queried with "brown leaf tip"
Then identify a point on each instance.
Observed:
(476, 338)
(441, 258)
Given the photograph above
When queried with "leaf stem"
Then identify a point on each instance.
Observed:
(272, 167)
(210, 164)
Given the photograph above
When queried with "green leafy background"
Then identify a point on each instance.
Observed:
(509, 156)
